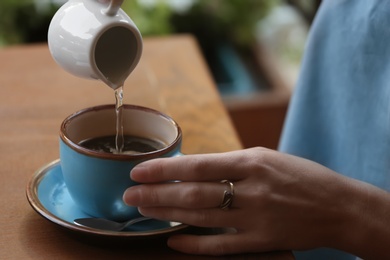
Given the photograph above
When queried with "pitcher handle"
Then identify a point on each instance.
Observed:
(113, 8)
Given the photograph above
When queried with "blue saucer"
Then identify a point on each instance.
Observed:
(49, 196)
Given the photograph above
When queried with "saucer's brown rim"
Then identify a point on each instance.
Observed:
(120, 157)
(32, 197)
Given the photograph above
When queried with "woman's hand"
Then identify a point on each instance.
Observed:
(280, 201)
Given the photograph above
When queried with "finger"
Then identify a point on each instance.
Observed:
(204, 167)
(217, 245)
(179, 194)
(201, 217)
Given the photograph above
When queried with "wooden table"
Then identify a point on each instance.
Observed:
(36, 95)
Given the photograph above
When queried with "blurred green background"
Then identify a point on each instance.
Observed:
(282, 24)
(227, 30)
(26, 21)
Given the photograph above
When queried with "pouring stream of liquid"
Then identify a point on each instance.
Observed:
(119, 138)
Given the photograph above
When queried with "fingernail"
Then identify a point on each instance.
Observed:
(138, 171)
(126, 197)
(141, 211)
(129, 197)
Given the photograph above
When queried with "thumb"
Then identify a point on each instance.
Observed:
(217, 245)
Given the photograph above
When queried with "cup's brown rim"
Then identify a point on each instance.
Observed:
(119, 157)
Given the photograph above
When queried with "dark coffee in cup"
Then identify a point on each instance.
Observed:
(132, 144)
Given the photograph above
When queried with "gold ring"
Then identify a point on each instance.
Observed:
(227, 196)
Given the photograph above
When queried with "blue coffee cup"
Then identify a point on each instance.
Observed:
(96, 180)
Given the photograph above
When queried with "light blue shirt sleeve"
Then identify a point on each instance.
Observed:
(339, 115)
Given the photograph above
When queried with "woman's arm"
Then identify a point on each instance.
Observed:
(281, 202)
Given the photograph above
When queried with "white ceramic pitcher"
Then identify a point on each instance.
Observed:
(95, 39)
